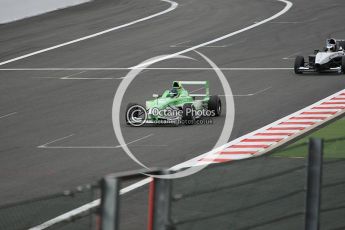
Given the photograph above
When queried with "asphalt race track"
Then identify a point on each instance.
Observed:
(55, 110)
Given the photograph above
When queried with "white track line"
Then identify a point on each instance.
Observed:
(78, 147)
(294, 22)
(47, 145)
(72, 75)
(176, 45)
(56, 140)
(223, 46)
(179, 45)
(290, 56)
(146, 181)
(45, 77)
(7, 115)
(139, 139)
(148, 68)
(173, 5)
(288, 5)
(247, 95)
(93, 78)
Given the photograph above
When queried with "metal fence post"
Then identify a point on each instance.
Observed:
(314, 182)
(162, 204)
(110, 203)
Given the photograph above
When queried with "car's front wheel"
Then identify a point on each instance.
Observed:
(215, 105)
(343, 64)
(299, 62)
(188, 111)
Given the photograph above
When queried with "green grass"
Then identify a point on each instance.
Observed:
(334, 142)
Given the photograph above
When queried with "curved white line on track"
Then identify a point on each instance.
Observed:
(286, 8)
(173, 6)
(141, 183)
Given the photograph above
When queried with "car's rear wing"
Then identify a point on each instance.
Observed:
(202, 83)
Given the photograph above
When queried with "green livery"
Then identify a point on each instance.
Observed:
(176, 104)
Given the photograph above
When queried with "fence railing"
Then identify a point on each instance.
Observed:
(261, 193)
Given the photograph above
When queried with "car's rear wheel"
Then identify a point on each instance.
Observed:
(299, 62)
(188, 117)
(343, 64)
(215, 105)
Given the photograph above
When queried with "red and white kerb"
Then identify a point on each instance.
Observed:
(273, 135)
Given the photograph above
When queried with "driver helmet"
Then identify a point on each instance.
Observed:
(173, 92)
(331, 45)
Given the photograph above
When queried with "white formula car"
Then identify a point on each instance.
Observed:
(331, 59)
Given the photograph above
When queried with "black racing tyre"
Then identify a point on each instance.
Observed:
(215, 105)
(299, 62)
(343, 64)
(128, 108)
(188, 117)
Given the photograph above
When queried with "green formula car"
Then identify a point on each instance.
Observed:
(175, 106)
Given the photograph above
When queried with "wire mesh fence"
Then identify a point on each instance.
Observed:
(333, 195)
(333, 180)
(30, 213)
(260, 193)
(134, 209)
